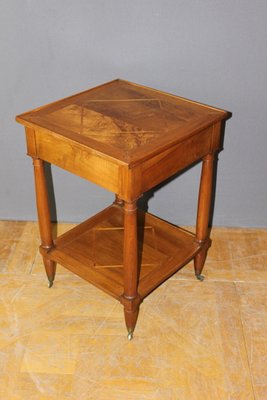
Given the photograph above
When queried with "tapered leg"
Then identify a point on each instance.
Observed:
(130, 298)
(203, 214)
(44, 216)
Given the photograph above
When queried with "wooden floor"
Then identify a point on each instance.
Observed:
(193, 340)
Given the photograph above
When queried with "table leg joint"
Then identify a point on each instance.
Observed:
(130, 302)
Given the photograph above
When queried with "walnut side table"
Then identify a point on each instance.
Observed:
(126, 138)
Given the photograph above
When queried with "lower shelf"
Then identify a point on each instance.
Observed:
(94, 250)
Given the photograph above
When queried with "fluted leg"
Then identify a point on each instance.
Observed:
(203, 214)
(44, 216)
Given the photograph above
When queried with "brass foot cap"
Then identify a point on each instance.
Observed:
(200, 277)
(50, 284)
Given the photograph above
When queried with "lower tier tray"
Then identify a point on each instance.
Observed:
(94, 250)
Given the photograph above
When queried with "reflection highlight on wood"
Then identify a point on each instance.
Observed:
(68, 342)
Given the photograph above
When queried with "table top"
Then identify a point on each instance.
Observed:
(123, 120)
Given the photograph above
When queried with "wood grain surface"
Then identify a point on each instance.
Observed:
(126, 121)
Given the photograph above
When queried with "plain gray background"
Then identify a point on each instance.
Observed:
(213, 51)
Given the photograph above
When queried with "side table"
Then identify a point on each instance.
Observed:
(126, 138)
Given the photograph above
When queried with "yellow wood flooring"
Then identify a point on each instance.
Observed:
(193, 340)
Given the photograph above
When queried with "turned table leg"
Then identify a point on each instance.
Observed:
(130, 298)
(118, 200)
(203, 213)
(44, 216)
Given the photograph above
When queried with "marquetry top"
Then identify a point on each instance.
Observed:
(124, 120)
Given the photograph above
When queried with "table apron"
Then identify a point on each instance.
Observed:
(119, 178)
(75, 158)
(155, 170)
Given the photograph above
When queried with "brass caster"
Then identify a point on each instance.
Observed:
(130, 335)
(200, 277)
(50, 283)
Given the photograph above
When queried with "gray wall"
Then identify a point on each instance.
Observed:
(213, 51)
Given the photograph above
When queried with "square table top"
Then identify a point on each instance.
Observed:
(124, 120)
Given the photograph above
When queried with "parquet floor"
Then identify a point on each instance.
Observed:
(193, 341)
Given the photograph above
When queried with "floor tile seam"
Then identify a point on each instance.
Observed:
(13, 246)
(227, 381)
(207, 279)
(251, 282)
(211, 261)
(19, 337)
(217, 280)
(105, 319)
(20, 352)
(244, 339)
(262, 253)
(14, 340)
(33, 263)
(17, 244)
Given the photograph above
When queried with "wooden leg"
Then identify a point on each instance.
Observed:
(118, 200)
(130, 298)
(44, 216)
(203, 214)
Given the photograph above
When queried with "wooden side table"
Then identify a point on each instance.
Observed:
(126, 138)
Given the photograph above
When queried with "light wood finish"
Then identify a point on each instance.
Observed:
(192, 341)
(126, 138)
